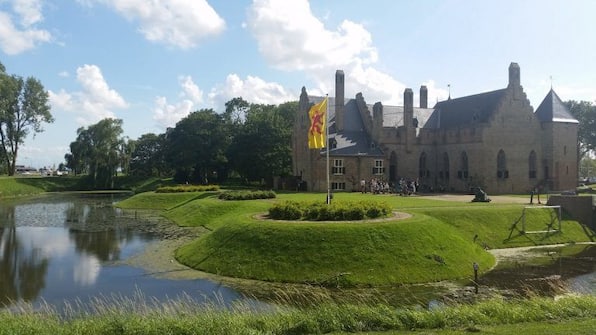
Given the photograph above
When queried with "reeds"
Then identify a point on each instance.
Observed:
(184, 315)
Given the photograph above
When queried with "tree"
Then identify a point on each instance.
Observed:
(196, 147)
(23, 108)
(261, 148)
(98, 150)
(148, 157)
(585, 113)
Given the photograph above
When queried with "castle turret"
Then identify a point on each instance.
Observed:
(339, 100)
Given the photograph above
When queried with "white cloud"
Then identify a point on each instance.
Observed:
(15, 40)
(291, 38)
(96, 100)
(190, 90)
(174, 22)
(166, 115)
(29, 10)
(251, 89)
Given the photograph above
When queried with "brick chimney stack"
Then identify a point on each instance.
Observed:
(423, 97)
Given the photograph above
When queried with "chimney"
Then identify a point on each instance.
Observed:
(408, 107)
(514, 75)
(339, 100)
(423, 97)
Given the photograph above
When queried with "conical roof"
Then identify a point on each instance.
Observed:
(552, 109)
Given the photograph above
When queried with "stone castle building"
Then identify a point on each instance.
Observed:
(492, 140)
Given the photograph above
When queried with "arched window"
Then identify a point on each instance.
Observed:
(532, 165)
(422, 170)
(462, 173)
(502, 172)
(444, 173)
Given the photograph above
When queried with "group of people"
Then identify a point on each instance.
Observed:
(377, 186)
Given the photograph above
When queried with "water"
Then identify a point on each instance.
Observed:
(67, 248)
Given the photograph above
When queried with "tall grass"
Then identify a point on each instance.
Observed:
(187, 317)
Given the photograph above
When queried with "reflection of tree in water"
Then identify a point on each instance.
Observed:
(94, 229)
(22, 272)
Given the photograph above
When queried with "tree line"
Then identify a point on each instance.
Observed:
(251, 142)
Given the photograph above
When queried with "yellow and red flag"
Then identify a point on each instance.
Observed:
(318, 123)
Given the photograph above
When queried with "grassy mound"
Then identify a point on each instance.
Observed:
(419, 249)
(440, 241)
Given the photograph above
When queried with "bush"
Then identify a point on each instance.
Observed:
(187, 188)
(336, 211)
(247, 195)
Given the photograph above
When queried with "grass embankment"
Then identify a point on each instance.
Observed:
(568, 315)
(439, 242)
(31, 185)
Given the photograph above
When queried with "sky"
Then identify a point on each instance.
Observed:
(152, 62)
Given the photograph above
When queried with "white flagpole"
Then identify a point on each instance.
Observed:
(327, 147)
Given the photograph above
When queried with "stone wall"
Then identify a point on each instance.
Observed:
(581, 208)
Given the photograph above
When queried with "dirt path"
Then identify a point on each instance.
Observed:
(499, 199)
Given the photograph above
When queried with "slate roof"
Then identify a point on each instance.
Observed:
(393, 116)
(454, 113)
(552, 109)
(353, 140)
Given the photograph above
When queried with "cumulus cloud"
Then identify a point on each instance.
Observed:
(173, 22)
(292, 38)
(251, 89)
(95, 101)
(16, 38)
(166, 114)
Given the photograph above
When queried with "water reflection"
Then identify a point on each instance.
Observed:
(22, 269)
(67, 248)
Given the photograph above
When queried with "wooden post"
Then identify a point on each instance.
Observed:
(476, 267)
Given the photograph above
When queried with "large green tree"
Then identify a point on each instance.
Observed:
(148, 157)
(197, 147)
(23, 109)
(261, 147)
(98, 150)
(585, 113)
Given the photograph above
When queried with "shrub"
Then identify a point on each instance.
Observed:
(187, 188)
(336, 211)
(247, 195)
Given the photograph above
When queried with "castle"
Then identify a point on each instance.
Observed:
(492, 140)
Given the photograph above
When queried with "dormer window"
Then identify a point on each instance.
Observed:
(332, 143)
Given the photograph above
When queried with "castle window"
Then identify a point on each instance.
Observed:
(338, 186)
(444, 173)
(338, 167)
(565, 150)
(502, 172)
(462, 173)
(378, 169)
(532, 165)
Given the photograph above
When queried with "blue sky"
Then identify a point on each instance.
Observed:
(150, 63)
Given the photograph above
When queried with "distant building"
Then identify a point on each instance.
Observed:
(492, 140)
